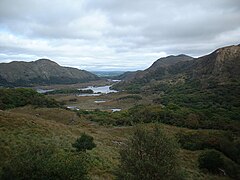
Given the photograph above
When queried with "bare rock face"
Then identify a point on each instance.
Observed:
(41, 72)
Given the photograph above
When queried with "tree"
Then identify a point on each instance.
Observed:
(85, 142)
(210, 160)
(148, 155)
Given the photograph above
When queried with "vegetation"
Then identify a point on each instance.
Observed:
(215, 103)
(196, 108)
(21, 130)
(84, 143)
(39, 147)
(11, 98)
(224, 142)
(211, 160)
(192, 103)
(37, 162)
(70, 91)
(171, 114)
(215, 141)
(135, 97)
(149, 155)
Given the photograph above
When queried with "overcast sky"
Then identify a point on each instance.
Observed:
(114, 34)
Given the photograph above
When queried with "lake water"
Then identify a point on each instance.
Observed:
(115, 110)
(89, 95)
(42, 91)
(73, 108)
(100, 89)
(99, 101)
(115, 80)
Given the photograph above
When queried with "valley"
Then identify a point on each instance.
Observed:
(194, 101)
(103, 99)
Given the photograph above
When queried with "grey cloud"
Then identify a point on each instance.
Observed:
(113, 33)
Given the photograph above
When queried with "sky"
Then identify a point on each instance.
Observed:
(115, 34)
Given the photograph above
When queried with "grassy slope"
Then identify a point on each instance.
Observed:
(21, 126)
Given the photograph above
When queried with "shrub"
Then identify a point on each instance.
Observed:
(85, 142)
(135, 97)
(210, 160)
(11, 98)
(231, 168)
(37, 163)
(148, 155)
(221, 141)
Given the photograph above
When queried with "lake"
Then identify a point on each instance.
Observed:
(42, 91)
(89, 95)
(99, 101)
(116, 110)
(100, 89)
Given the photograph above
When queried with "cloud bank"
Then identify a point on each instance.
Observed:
(113, 34)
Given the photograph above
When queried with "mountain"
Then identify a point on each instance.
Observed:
(107, 74)
(220, 67)
(168, 61)
(41, 72)
(200, 93)
(128, 75)
(159, 65)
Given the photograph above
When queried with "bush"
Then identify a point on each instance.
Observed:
(210, 160)
(221, 141)
(85, 142)
(37, 162)
(70, 91)
(135, 97)
(231, 168)
(148, 155)
(11, 98)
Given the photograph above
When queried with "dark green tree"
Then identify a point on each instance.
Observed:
(85, 142)
(149, 155)
(210, 160)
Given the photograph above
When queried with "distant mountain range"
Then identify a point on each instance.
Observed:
(220, 67)
(41, 72)
(108, 74)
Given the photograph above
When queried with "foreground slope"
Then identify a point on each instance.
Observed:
(22, 130)
(41, 72)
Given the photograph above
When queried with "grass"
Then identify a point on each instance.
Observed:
(120, 100)
(21, 126)
(18, 129)
(55, 114)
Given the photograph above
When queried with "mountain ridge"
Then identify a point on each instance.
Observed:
(163, 62)
(220, 67)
